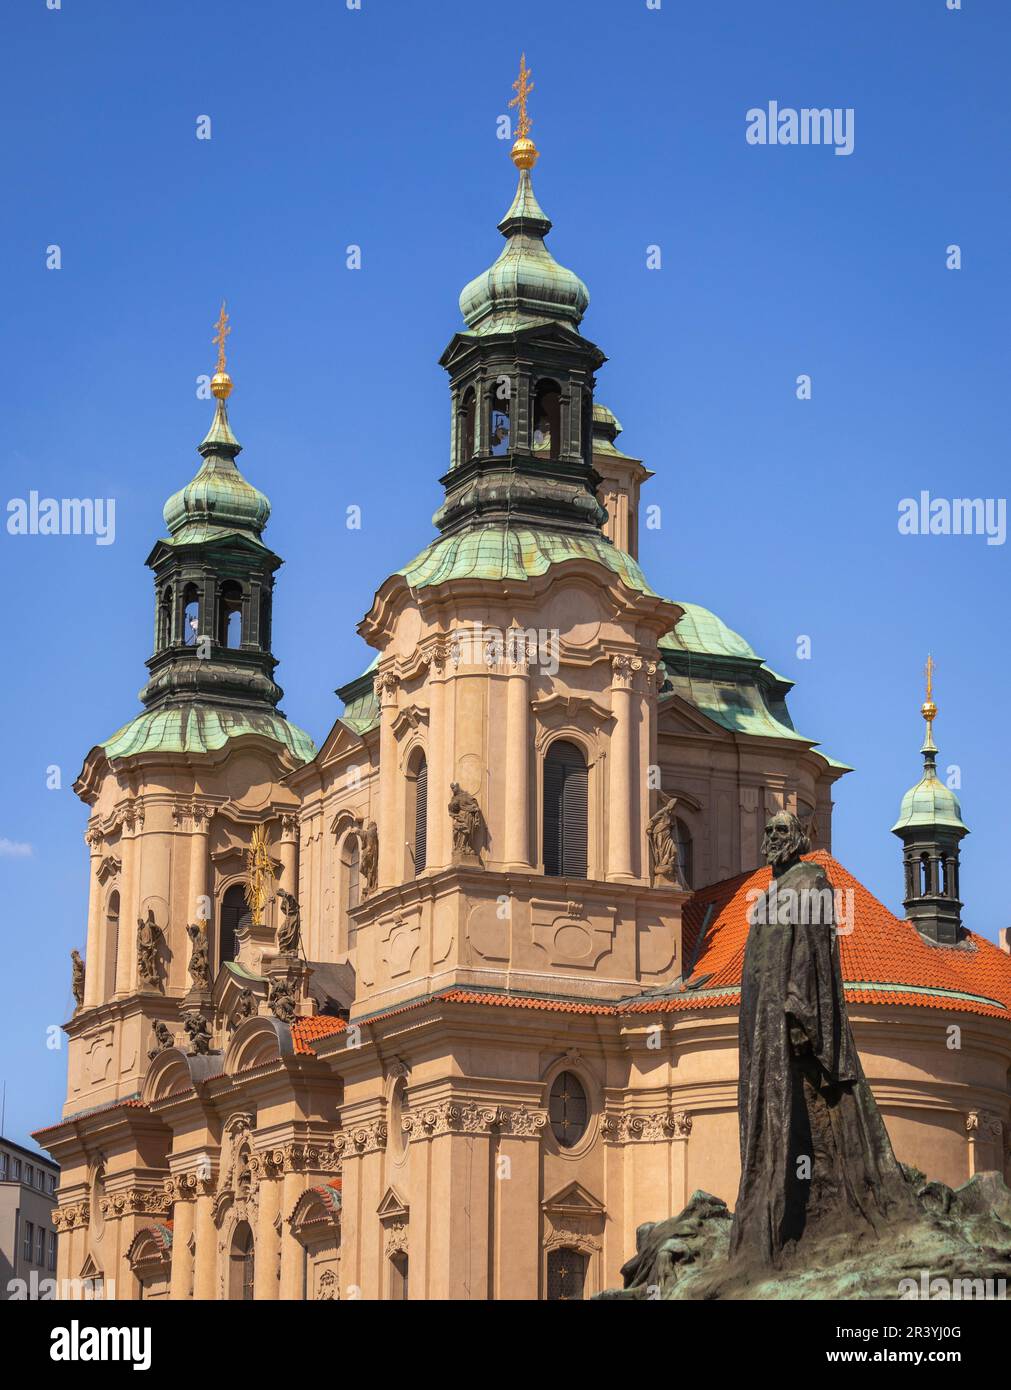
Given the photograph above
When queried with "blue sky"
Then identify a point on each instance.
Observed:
(378, 127)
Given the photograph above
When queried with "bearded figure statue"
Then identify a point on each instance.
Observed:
(815, 1156)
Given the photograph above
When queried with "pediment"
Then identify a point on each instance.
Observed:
(573, 1200)
(679, 716)
(340, 742)
(392, 1207)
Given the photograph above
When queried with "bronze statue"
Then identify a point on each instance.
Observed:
(465, 815)
(368, 863)
(77, 980)
(815, 1156)
(290, 931)
(199, 1033)
(148, 939)
(281, 1000)
(661, 831)
(162, 1037)
(200, 965)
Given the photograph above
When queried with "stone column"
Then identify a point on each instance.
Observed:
(181, 1280)
(288, 851)
(619, 805)
(94, 950)
(265, 1282)
(129, 849)
(206, 1240)
(390, 832)
(516, 839)
(198, 906)
(292, 1251)
(438, 774)
(516, 1194)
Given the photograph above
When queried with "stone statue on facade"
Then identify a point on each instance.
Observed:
(199, 1033)
(281, 1000)
(465, 818)
(149, 936)
(200, 965)
(162, 1037)
(289, 933)
(368, 863)
(661, 832)
(77, 978)
(245, 1008)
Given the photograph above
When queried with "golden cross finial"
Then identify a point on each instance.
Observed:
(522, 87)
(220, 336)
(928, 709)
(928, 671)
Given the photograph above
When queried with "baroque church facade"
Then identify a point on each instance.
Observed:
(447, 1007)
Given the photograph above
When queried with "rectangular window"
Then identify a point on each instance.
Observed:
(52, 1182)
(29, 1240)
(40, 1246)
(3, 1167)
(16, 1170)
(51, 1251)
(29, 1174)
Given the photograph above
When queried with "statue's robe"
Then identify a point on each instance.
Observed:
(814, 1104)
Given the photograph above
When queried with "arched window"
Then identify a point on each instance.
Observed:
(924, 875)
(417, 810)
(165, 619)
(468, 417)
(568, 1110)
(233, 909)
(499, 418)
(565, 811)
(685, 852)
(191, 615)
(351, 886)
(547, 418)
(241, 1264)
(111, 945)
(230, 614)
(566, 1273)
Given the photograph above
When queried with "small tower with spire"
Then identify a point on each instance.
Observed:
(522, 377)
(931, 829)
(214, 578)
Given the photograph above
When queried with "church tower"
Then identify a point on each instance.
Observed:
(176, 794)
(931, 829)
(214, 579)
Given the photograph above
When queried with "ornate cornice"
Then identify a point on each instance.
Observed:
(618, 1128)
(456, 1117)
(136, 1201)
(72, 1217)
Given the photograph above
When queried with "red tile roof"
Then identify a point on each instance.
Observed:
(879, 950)
(306, 1031)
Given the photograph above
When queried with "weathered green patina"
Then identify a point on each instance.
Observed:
(199, 728)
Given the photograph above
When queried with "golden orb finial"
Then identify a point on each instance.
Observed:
(524, 152)
(221, 382)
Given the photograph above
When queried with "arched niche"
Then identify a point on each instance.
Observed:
(256, 1042)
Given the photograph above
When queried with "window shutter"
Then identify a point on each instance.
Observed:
(421, 817)
(565, 812)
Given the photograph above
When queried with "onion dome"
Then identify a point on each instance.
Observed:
(930, 802)
(219, 498)
(526, 284)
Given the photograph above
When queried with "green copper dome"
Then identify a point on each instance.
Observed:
(219, 498)
(526, 284)
(930, 802)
